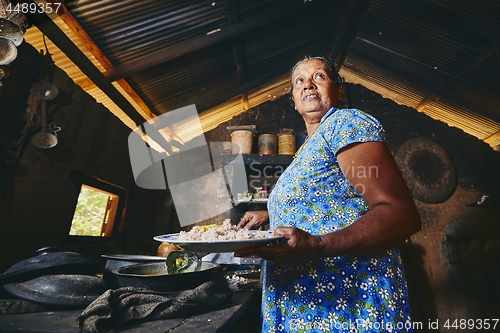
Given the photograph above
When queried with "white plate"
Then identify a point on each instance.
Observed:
(133, 257)
(218, 246)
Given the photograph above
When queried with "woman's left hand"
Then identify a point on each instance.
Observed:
(297, 246)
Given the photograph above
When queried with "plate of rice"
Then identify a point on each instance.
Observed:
(216, 238)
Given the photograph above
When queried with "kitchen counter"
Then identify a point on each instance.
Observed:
(241, 314)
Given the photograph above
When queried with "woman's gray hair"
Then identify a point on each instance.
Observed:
(336, 77)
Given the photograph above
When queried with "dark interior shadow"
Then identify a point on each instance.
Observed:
(422, 298)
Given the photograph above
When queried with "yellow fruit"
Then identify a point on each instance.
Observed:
(165, 248)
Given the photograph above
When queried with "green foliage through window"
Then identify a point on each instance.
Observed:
(92, 212)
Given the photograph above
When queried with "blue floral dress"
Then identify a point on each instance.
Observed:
(331, 294)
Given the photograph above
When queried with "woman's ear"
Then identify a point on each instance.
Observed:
(340, 92)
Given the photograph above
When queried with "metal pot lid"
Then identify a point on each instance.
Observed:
(9, 30)
(46, 263)
(8, 51)
(76, 291)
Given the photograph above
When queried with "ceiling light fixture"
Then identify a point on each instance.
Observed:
(46, 138)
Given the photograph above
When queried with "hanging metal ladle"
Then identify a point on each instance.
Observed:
(46, 138)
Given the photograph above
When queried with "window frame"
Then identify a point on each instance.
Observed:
(107, 187)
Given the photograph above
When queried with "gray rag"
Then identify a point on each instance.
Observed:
(114, 308)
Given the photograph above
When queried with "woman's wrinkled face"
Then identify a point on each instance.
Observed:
(314, 92)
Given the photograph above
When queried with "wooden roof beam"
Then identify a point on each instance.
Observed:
(242, 89)
(462, 76)
(424, 82)
(346, 21)
(481, 59)
(426, 101)
(199, 43)
(52, 31)
(356, 22)
(232, 11)
(494, 136)
(79, 31)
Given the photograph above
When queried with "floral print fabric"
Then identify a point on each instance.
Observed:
(331, 294)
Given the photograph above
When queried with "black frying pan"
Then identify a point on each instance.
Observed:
(154, 276)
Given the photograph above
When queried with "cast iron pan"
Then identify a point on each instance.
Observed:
(428, 170)
(47, 261)
(75, 291)
(154, 276)
(115, 261)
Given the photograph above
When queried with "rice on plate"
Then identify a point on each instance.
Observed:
(216, 232)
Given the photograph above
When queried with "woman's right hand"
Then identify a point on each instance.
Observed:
(254, 219)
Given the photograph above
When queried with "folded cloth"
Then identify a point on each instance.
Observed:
(117, 307)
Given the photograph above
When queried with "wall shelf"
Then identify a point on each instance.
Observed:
(268, 159)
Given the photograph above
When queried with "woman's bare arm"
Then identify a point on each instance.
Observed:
(391, 219)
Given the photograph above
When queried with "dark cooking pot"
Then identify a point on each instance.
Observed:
(154, 276)
(49, 261)
(115, 261)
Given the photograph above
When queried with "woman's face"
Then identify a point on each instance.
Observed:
(314, 92)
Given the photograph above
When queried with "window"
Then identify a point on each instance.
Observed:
(95, 212)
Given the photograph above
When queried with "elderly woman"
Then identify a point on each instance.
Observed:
(342, 206)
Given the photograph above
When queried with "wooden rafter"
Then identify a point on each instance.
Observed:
(239, 58)
(496, 135)
(52, 31)
(79, 31)
(242, 89)
(436, 88)
(356, 22)
(481, 59)
(346, 21)
(426, 101)
(199, 43)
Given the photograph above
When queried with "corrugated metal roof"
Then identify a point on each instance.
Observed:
(34, 37)
(188, 80)
(127, 30)
(387, 84)
(404, 52)
(437, 56)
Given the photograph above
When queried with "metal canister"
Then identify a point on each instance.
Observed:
(286, 142)
(242, 142)
(227, 147)
(268, 144)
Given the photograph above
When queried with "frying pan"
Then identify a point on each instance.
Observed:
(154, 276)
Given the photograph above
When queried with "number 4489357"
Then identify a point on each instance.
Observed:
(32, 8)
(471, 324)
